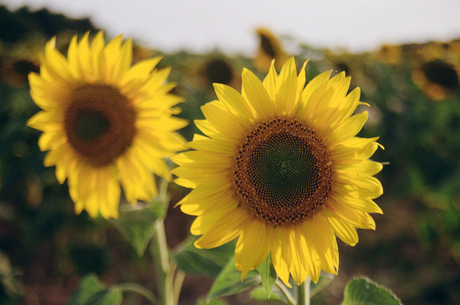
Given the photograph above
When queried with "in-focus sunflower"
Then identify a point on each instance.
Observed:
(280, 167)
(104, 122)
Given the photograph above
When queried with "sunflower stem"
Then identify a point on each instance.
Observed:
(303, 292)
(159, 248)
(163, 270)
(289, 298)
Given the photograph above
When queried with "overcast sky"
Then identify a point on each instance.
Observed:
(203, 25)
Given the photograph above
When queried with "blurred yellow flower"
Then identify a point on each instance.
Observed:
(437, 79)
(389, 54)
(280, 167)
(269, 49)
(105, 122)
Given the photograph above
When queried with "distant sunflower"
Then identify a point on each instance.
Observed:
(269, 49)
(104, 122)
(389, 54)
(437, 79)
(280, 167)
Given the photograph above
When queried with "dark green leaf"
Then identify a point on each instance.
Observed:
(363, 291)
(207, 262)
(267, 274)
(137, 224)
(89, 286)
(229, 281)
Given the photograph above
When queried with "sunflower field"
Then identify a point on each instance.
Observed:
(133, 176)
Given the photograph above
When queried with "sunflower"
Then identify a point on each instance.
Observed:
(104, 122)
(269, 49)
(437, 79)
(280, 167)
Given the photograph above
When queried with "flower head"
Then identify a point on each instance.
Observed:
(104, 122)
(280, 168)
(437, 79)
(269, 49)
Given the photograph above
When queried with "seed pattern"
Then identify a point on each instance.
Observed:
(99, 123)
(282, 173)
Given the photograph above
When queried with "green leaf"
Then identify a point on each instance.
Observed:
(323, 282)
(89, 286)
(260, 294)
(268, 274)
(229, 281)
(208, 262)
(92, 292)
(363, 291)
(106, 297)
(137, 223)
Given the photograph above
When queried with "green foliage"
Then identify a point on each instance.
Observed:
(267, 274)
(208, 262)
(421, 200)
(229, 281)
(92, 292)
(137, 224)
(23, 23)
(324, 280)
(260, 294)
(363, 291)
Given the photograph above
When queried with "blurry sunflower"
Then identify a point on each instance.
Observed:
(104, 122)
(437, 79)
(389, 54)
(280, 167)
(269, 49)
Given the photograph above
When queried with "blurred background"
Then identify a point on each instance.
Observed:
(404, 55)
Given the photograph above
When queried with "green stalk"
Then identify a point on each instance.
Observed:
(303, 292)
(163, 270)
(160, 252)
(289, 298)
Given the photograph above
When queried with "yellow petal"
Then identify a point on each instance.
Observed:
(234, 102)
(345, 231)
(277, 255)
(254, 92)
(253, 246)
(356, 218)
(270, 81)
(226, 230)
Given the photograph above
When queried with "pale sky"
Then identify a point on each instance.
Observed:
(204, 25)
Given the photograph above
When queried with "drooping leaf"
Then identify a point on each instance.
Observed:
(363, 291)
(137, 224)
(208, 262)
(229, 281)
(92, 292)
(89, 286)
(268, 274)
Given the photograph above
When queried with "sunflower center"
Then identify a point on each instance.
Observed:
(99, 123)
(282, 173)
